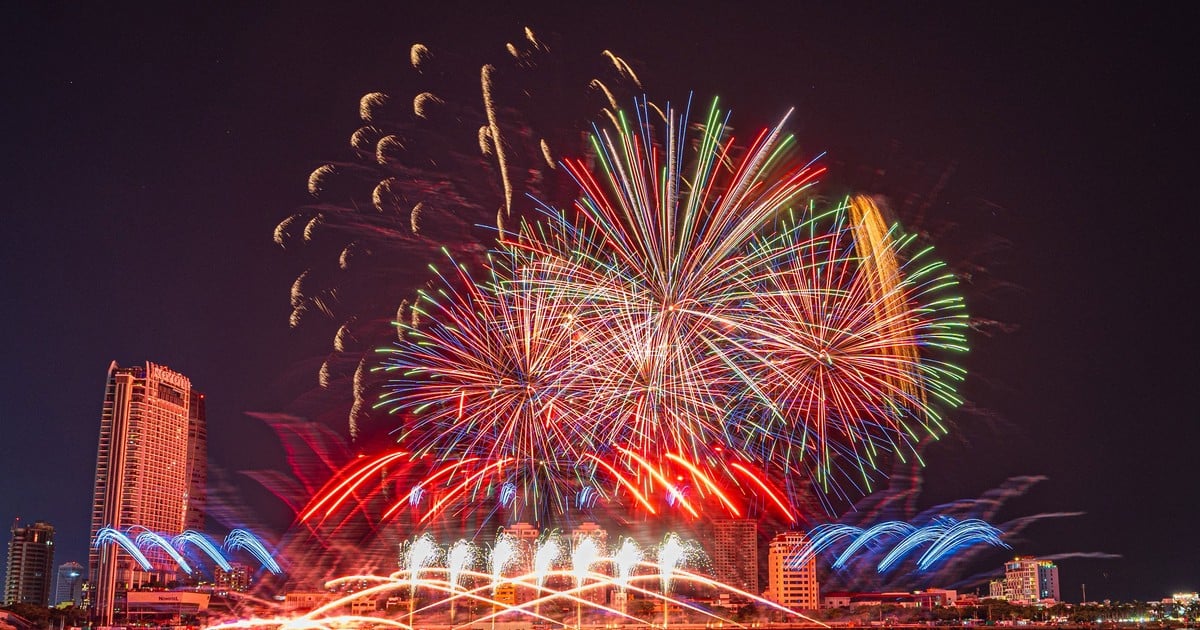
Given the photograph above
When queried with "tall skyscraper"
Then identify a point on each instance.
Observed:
(789, 585)
(68, 587)
(734, 552)
(30, 564)
(150, 472)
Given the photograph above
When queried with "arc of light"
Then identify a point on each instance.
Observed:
(205, 545)
(821, 538)
(920, 536)
(662, 480)
(959, 535)
(765, 488)
(243, 539)
(703, 478)
(356, 479)
(148, 537)
(429, 480)
(109, 535)
(436, 507)
(881, 529)
(625, 482)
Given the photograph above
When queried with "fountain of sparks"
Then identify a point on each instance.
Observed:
(548, 554)
(551, 573)
(626, 561)
(460, 557)
(587, 551)
(418, 553)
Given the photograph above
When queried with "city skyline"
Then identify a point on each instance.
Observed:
(204, 223)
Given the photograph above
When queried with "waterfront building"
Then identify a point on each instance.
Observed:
(788, 583)
(150, 472)
(734, 552)
(934, 597)
(30, 564)
(836, 599)
(929, 598)
(1028, 580)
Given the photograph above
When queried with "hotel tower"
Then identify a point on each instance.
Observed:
(151, 470)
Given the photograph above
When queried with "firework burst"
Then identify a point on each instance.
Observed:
(690, 316)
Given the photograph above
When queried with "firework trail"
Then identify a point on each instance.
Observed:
(424, 173)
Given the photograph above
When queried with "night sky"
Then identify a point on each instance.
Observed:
(149, 152)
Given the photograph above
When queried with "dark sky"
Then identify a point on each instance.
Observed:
(148, 153)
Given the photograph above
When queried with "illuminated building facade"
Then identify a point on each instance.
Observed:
(236, 579)
(787, 584)
(30, 564)
(68, 587)
(1030, 580)
(734, 553)
(150, 472)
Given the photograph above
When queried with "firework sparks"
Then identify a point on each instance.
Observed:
(691, 311)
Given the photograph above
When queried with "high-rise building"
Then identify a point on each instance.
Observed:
(68, 587)
(788, 584)
(150, 472)
(734, 552)
(1030, 580)
(30, 564)
(197, 462)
